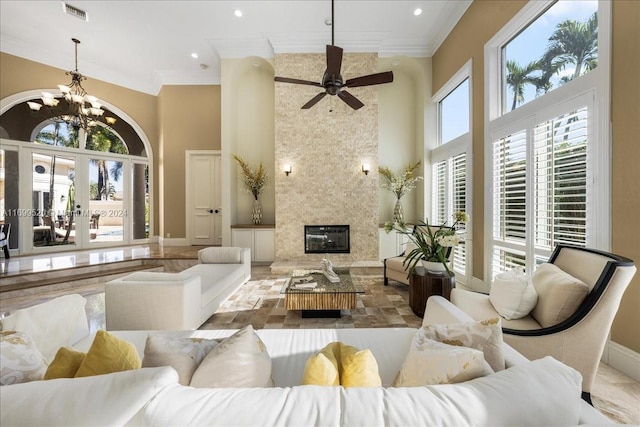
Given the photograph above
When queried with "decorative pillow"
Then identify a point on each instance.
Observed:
(512, 294)
(341, 364)
(65, 364)
(359, 368)
(322, 368)
(183, 354)
(220, 255)
(483, 335)
(108, 354)
(240, 360)
(50, 324)
(430, 362)
(559, 294)
(21, 360)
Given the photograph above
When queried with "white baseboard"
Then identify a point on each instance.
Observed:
(174, 242)
(623, 359)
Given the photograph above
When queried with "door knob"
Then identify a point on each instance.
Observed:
(217, 211)
(211, 211)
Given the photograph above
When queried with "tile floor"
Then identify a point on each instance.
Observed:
(259, 303)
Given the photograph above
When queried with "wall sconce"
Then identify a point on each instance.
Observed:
(287, 169)
(366, 167)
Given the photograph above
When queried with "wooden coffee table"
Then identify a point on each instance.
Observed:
(326, 299)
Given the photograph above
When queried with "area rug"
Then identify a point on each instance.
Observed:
(260, 304)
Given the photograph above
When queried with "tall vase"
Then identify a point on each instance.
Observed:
(398, 214)
(256, 215)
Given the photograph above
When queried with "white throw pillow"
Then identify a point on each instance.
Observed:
(20, 360)
(238, 361)
(512, 294)
(430, 362)
(51, 324)
(483, 335)
(559, 294)
(182, 354)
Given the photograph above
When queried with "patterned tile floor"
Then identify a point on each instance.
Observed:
(259, 302)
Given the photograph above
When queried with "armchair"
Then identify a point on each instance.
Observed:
(579, 340)
(394, 267)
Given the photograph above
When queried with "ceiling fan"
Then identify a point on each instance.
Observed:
(332, 80)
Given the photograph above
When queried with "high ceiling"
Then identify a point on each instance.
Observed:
(145, 44)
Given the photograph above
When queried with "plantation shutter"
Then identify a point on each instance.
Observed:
(440, 182)
(561, 180)
(450, 195)
(509, 201)
(459, 193)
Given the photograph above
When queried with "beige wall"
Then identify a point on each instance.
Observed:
(189, 118)
(401, 129)
(481, 21)
(625, 118)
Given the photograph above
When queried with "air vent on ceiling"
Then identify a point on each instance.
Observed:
(74, 11)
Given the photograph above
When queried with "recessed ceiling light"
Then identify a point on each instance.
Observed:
(194, 55)
(238, 13)
(417, 12)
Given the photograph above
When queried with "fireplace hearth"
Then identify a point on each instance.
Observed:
(326, 239)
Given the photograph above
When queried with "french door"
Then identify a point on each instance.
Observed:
(81, 200)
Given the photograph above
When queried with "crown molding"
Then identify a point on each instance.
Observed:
(241, 47)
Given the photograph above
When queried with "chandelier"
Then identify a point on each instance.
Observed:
(80, 109)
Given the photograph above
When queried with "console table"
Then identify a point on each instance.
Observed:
(423, 284)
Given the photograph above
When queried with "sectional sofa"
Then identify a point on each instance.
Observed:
(542, 392)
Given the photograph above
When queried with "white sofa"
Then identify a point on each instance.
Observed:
(177, 301)
(543, 392)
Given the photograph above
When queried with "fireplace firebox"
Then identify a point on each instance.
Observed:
(326, 239)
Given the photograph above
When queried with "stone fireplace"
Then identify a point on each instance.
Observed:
(326, 147)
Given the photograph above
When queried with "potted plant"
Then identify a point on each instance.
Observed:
(254, 181)
(433, 244)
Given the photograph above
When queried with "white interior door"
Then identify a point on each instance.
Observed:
(204, 217)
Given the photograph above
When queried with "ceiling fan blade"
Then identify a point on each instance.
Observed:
(351, 100)
(313, 101)
(296, 81)
(334, 60)
(371, 79)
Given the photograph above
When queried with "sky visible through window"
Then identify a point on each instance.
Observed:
(532, 42)
(528, 46)
(454, 113)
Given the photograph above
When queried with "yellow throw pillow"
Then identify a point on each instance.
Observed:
(65, 364)
(359, 367)
(322, 368)
(108, 354)
(341, 364)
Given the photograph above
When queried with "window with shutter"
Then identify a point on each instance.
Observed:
(539, 186)
(451, 178)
